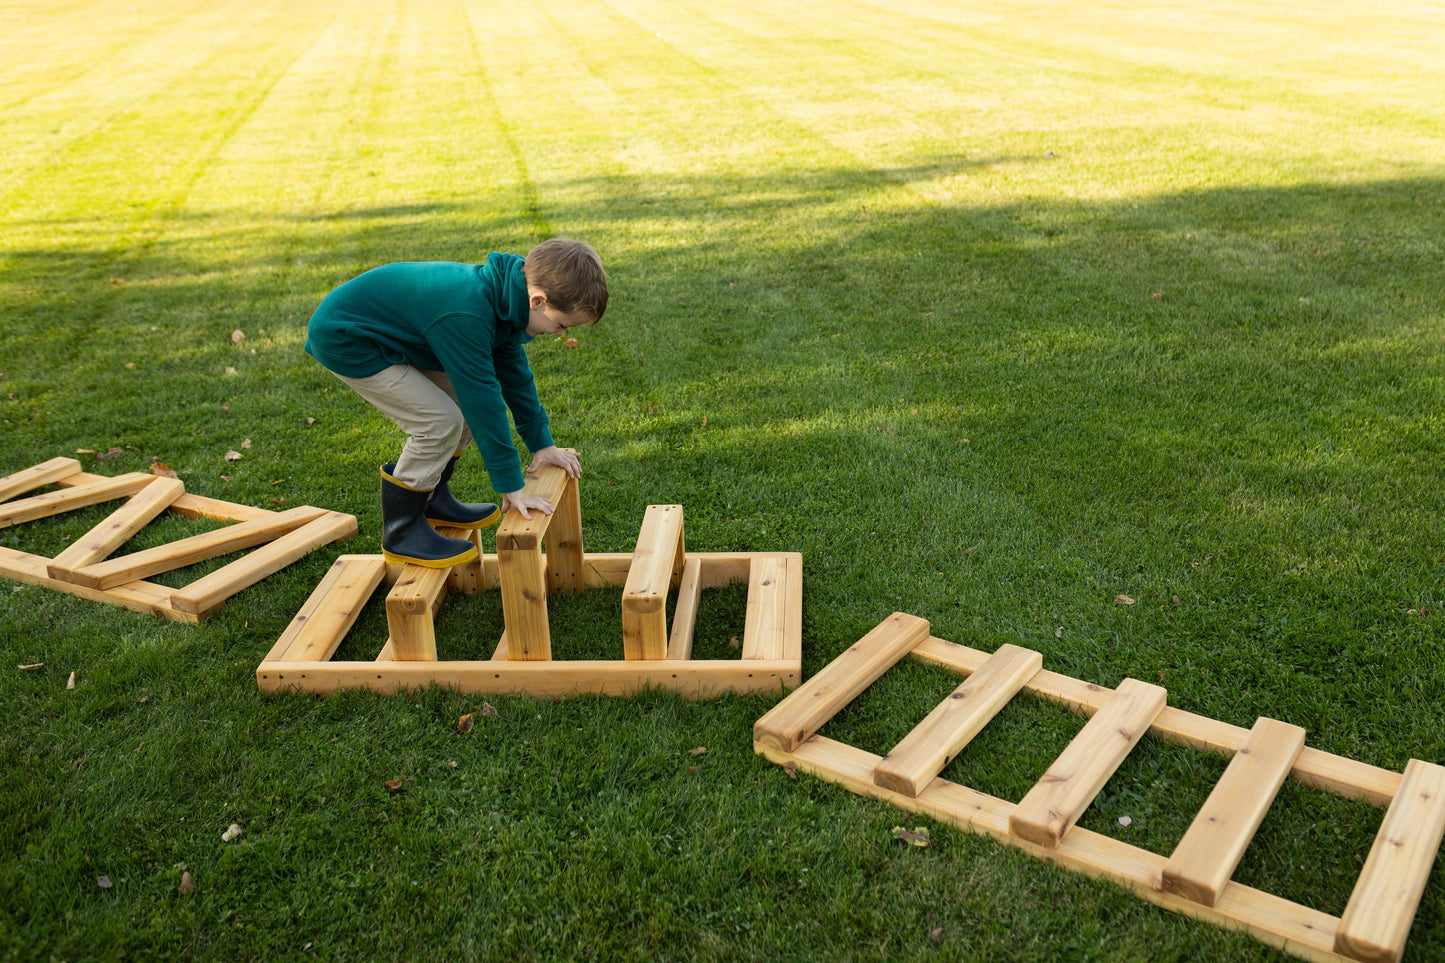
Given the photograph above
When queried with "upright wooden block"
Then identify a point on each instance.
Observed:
(943, 733)
(565, 572)
(658, 559)
(521, 575)
(1050, 809)
(116, 530)
(36, 476)
(1205, 859)
(684, 616)
(409, 612)
(798, 717)
(1377, 919)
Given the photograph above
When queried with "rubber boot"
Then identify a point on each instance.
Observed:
(406, 536)
(444, 507)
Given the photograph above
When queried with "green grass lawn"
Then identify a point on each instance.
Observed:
(994, 312)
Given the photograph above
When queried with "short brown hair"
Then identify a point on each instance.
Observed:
(570, 274)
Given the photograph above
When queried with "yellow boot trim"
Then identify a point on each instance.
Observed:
(458, 559)
(487, 522)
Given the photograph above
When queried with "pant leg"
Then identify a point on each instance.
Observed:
(426, 412)
(440, 379)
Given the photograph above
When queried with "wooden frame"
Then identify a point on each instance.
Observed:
(1195, 878)
(772, 647)
(86, 569)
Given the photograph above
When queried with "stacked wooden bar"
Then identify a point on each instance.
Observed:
(86, 569)
(1195, 878)
(771, 660)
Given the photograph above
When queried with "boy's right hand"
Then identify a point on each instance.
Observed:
(522, 502)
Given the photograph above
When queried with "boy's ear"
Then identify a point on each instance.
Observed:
(536, 298)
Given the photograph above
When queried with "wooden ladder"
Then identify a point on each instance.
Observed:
(1196, 878)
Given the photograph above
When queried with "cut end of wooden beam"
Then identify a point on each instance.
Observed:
(1172, 882)
(1047, 834)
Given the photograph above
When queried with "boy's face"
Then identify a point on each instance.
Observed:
(545, 319)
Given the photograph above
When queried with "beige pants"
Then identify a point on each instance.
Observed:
(424, 405)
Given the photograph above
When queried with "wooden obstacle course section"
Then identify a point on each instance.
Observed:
(1195, 878)
(654, 655)
(86, 568)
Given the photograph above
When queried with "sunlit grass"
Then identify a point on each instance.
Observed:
(993, 313)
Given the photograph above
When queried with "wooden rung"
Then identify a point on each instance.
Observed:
(189, 551)
(516, 532)
(1055, 803)
(658, 556)
(330, 611)
(565, 570)
(798, 717)
(68, 499)
(1205, 859)
(684, 616)
(523, 583)
(209, 591)
(941, 736)
(410, 607)
(765, 629)
(117, 529)
(29, 479)
(1377, 918)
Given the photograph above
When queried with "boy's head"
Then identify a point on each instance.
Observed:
(570, 274)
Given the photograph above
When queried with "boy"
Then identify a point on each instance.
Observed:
(436, 346)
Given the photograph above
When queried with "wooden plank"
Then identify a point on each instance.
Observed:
(518, 533)
(409, 612)
(524, 603)
(190, 505)
(209, 591)
(1377, 919)
(1050, 809)
(189, 551)
(69, 499)
(644, 597)
(793, 609)
(1321, 770)
(809, 708)
(1299, 930)
(36, 476)
(765, 628)
(693, 679)
(117, 529)
(684, 616)
(146, 597)
(942, 735)
(468, 578)
(565, 571)
(1211, 849)
(329, 612)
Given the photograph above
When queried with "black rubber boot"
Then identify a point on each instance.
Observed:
(406, 536)
(445, 508)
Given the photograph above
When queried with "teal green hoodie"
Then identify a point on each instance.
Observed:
(469, 320)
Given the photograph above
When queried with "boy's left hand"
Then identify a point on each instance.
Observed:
(564, 458)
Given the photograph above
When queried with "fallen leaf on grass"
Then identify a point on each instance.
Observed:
(1122, 599)
(1125, 821)
(70, 683)
(487, 709)
(571, 342)
(163, 470)
(109, 453)
(30, 666)
(82, 451)
(246, 443)
(1059, 632)
(734, 642)
(917, 836)
(187, 886)
(232, 831)
(465, 723)
(117, 282)
(103, 882)
(238, 336)
(392, 785)
(698, 751)
(232, 455)
(791, 769)
(311, 421)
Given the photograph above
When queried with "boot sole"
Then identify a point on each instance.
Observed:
(487, 522)
(396, 559)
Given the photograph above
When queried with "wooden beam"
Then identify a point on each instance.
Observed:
(1050, 809)
(943, 734)
(409, 612)
(36, 476)
(684, 616)
(808, 709)
(1322, 770)
(138, 596)
(766, 625)
(524, 603)
(565, 571)
(1377, 919)
(644, 597)
(118, 527)
(1207, 856)
(189, 551)
(69, 499)
(330, 611)
(210, 591)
